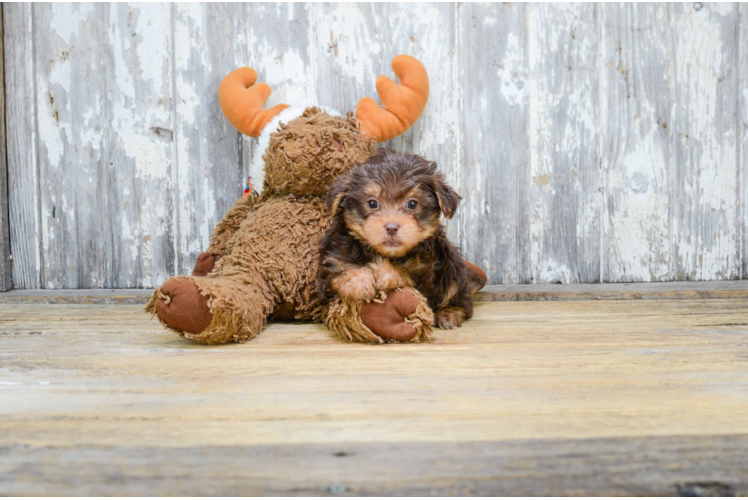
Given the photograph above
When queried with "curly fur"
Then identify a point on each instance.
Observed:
(298, 149)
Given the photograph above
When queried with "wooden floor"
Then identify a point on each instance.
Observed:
(576, 397)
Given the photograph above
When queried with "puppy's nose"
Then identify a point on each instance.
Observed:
(392, 228)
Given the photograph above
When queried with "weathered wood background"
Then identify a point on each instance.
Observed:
(590, 142)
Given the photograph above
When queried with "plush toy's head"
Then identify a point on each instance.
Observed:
(305, 155)
(305, 148)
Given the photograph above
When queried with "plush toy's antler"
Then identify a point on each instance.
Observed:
(243, 102)
(402, 104)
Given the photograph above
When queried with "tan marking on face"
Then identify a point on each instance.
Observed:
(416, 192)
(408, 234)
(355, 283)
(372, 231)
(373, 191)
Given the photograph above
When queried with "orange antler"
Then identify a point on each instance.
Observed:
(402, 104)
(243, 102)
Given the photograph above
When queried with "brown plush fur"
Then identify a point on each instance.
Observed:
(308, 153)
(386, 234)
(227, 227)
(265, 250)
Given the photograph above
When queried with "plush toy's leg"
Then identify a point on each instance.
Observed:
(222, 234)
(403, 316)
(220, 240)
(212, 310)
(204, 264)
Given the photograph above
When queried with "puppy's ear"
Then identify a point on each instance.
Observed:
(446, 196)
(336, 193)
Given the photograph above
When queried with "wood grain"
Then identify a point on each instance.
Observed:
(495, 178)
(347, 52)
(23, 173)
(613, 396)
(103, 75)
(637, 126)
(744, 131)
(706, 215)
(5, 263)
(209, 42)
(615, 291)
(564, 185)
(491, 293)
(651, 466)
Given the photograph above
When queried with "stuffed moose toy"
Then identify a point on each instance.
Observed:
(263, 256)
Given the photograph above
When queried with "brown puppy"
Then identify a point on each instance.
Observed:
(386, 234)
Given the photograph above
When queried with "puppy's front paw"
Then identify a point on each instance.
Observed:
(386, 277)
(356, 284)
(449, 319)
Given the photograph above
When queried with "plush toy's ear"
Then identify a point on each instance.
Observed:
(402, 104)
(243, 102)
(336, 193)
(446, 196)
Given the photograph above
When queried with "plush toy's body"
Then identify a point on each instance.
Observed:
(263, 257)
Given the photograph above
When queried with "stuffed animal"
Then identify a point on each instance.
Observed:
(262, 260)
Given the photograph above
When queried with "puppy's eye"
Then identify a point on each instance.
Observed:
(412, 204)
(373, 204)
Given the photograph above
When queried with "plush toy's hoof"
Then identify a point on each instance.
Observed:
(204, 265)
(387, 319)
(184, 308)
(403, 316)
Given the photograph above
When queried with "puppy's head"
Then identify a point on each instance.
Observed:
(393, 201)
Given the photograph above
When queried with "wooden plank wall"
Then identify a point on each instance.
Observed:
(590, 142)
(5, 265)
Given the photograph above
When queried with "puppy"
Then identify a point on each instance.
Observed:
(386, 233)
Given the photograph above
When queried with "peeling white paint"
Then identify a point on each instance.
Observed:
(346, 34)
(122, 150)
(553, 272)
(140, 39)
(66, 19)
(636, 113)
(565, 220)
(706, 228)
(512, 72)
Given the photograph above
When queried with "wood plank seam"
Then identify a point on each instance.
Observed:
(602, 273)
(37, 164)
(460, 119)
(743, 138)
(493, 293)
(19, 110)
(671, 161)
(5, 252)
(175, 143)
